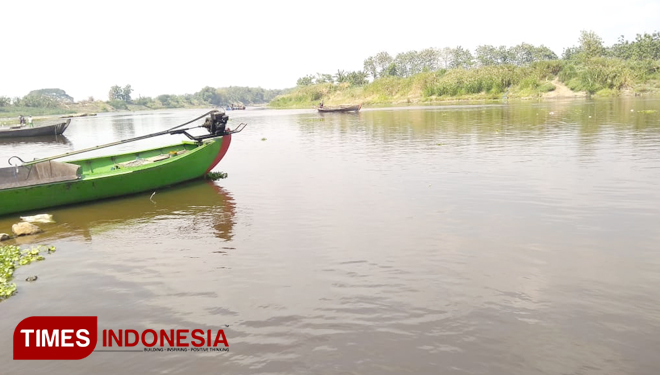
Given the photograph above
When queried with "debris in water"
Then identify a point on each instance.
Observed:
(41, 218)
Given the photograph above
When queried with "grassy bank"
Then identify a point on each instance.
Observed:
(598, 77)
(9, 114)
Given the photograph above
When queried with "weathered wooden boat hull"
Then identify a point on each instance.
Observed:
(114, 176)
(41, 139)
(353, 108)
(55, 129)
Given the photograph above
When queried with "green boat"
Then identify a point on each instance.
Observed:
(48, 183)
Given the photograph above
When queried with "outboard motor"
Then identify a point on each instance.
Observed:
(216, 123)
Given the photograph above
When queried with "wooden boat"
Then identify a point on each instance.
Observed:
(236, 107)
(79, 115)
(48, 183)
(42, 139)
(25, 131)
(342, 108)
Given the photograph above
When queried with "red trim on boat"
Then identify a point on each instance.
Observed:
(226, 140)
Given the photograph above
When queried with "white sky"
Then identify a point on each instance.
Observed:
(178, 47)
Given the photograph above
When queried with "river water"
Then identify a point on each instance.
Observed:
(511, 238)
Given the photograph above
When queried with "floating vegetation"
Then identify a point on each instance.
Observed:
(216, 175)
(12, 257)
(263, 139)
(648, 111)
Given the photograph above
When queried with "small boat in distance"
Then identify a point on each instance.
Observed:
(341, 108)
(236, 107)
(29, 131)
(44, 183)
(79, 115)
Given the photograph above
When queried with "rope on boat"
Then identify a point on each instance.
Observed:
(116, 143)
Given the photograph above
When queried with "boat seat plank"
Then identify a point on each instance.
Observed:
(152, 159)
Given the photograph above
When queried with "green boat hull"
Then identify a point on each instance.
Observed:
(119, 175)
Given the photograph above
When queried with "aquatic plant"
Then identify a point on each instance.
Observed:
(216, 175)
(12, 257)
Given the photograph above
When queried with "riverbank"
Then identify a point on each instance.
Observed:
(348, 95)
(343, 94)
(541, 80)
(10, 115)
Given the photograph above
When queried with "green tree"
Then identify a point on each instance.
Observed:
(461, 58)
(5, 101)
(403, 62)
(445, 57)
(390, 71)
(116, 93)
(591, 45)
(39, 101)
(570, 53)
(341, 76)
(543, 53)
(370, 67)
(126, 92)
(409, 63)
(622, 49)
(220, 98)
(324, 78)
(357, 78)
(646, 47)
(486, 55)
(57, 94)
(522, 54)
(305, 81)
(429, 59)
(206, 95)
(382, 61)
(169, 101)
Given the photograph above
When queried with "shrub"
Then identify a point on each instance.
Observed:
(118, 104)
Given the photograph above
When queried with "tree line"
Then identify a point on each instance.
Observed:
(44, 98)
(119, 97)
(645, 47)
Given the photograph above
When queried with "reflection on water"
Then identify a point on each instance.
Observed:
(197, 206)
(123, 127)
(509, 239)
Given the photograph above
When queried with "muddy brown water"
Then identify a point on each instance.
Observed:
(507, 238)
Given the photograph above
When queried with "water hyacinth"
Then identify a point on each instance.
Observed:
(12, 257)
(216, 175)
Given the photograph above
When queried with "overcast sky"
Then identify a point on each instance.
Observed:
(178, 47)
